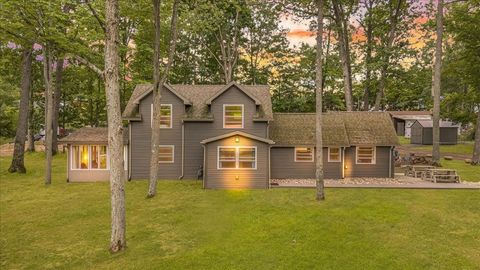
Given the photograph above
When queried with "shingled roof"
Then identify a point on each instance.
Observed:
(339, 129)
(198, 97)
(91, 135)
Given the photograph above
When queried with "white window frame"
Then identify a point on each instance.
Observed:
(173, 154)
(237, 158)
(171, 115)
(89, 147)
(243, 115)
(374, 155)
(312, 154)
(339, 154)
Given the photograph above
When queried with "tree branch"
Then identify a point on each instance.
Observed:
(95, 14)
(89, 65)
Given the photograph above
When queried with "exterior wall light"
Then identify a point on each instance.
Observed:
(237, 177)
(346, 167)
(237, 139)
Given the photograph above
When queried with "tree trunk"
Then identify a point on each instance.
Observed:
(17, 164)
(368, 58)
(158, 85)
(49, 97)
(318, 104)
(344, 52)
(436, 85)
(115, 129)
(476, 147)
(56, 103)
(394, 17)
(31, 129)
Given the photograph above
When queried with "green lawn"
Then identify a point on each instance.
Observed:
(66, 226)
(460, 148)
(466, 171)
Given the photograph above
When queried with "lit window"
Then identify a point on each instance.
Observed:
(86, 157)
(233, 116)
(98, 156)
(365, 155)
(333, 154)
(165, 115)
(303, 154)
(80, 157)
(237, 158)
(165, 154)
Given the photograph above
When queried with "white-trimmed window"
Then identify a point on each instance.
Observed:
(237, 157)
(233, 116)
(89, 157)
(166, 154)
(304, 154)
(365, 155)
(334, 154)
(165, 115)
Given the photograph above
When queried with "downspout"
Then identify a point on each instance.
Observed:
(69, 149)
(183, 150)
(269, 166)
(204, 176)
(343, 162)
(390, 162)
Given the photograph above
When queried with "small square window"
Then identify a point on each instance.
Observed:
(334, 154)
(365, 155)
(304, 154)
(166, 154)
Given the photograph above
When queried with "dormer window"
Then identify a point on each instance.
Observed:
(233, 115)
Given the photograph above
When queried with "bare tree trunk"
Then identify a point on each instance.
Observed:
(115, 129)
(344, 51)
(17, 164)
(157, 90)
(368, 57)
(31, 130)
(56, 103)
(476, 147)
(49, 97)
(436, 85)
(318, 104)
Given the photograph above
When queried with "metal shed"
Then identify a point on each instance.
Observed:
(422, 132)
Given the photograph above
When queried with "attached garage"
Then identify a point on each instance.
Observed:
(422, 132)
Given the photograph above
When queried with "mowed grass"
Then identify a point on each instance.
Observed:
(466, 171)
(460, 148)
(67, 226)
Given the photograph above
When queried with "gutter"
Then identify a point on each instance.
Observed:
(183, 151)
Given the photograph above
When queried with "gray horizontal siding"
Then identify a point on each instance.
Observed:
(141, 139)
(283, 165)
(255, 178)
(195, 132)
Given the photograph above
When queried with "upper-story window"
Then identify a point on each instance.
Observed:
(165, 115)
(233, 116)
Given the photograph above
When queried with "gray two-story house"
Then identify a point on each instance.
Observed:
(229, 136)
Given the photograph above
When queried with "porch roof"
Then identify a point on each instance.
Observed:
(237, 133)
